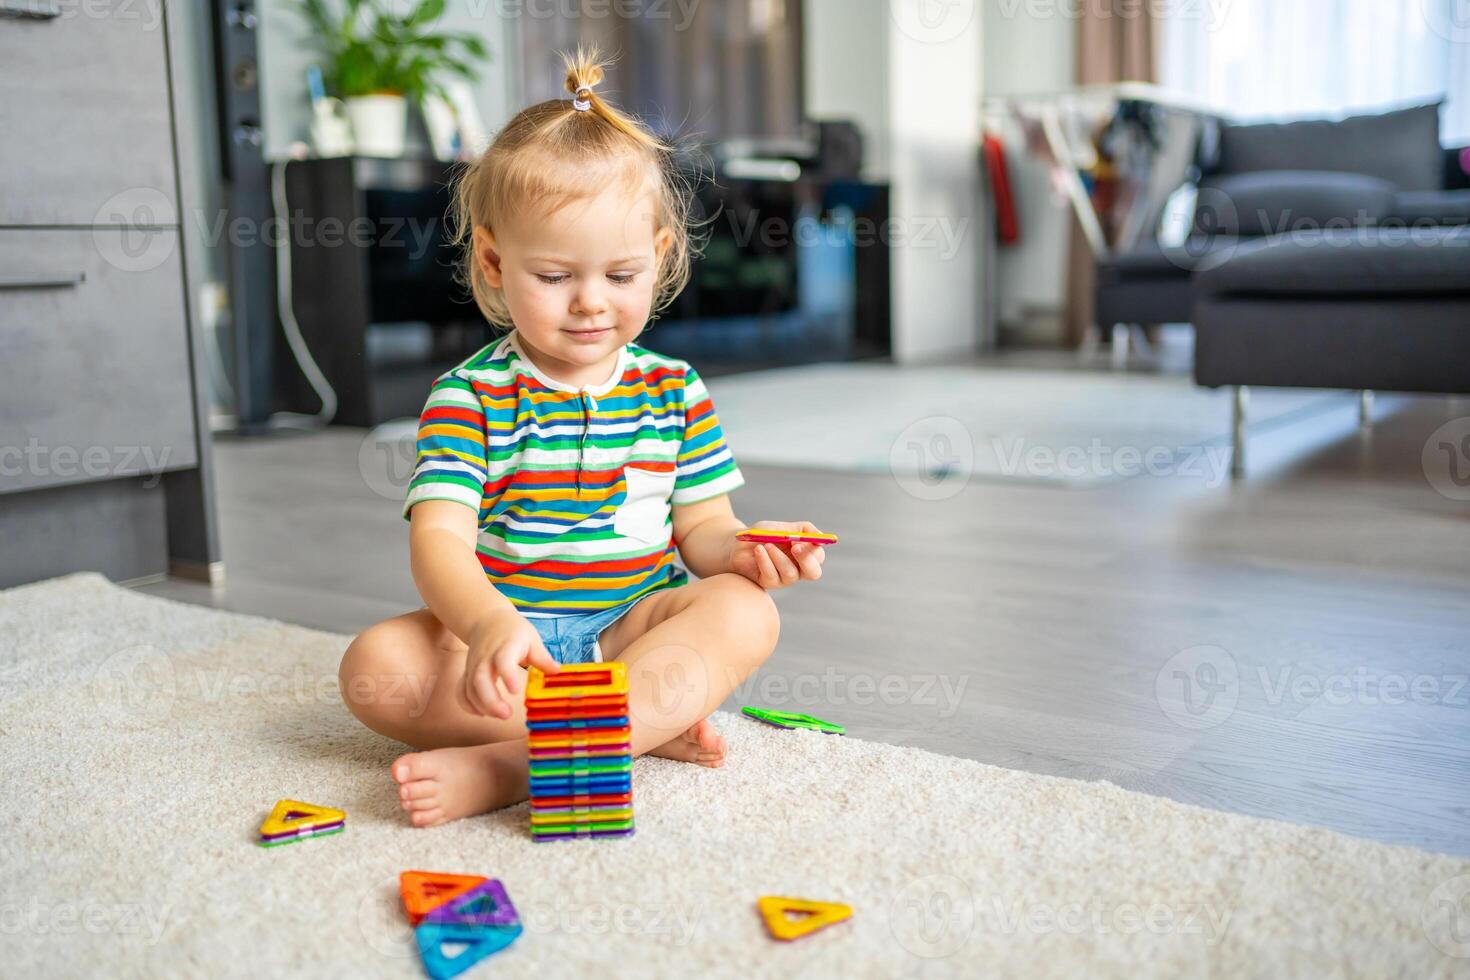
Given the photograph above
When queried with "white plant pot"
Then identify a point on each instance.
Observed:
(378, 124)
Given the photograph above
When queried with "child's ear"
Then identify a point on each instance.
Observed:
(487, 257)
(662, 239)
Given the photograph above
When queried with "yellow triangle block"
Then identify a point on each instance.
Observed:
(815, 915)
(292, 815)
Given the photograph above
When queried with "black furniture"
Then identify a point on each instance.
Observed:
(375, 296)
(104, 436)
(1326, 254)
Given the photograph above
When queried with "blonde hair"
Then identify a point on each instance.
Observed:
(554, 153)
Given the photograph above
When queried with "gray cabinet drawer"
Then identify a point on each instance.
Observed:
(94, 357)
(85, 135)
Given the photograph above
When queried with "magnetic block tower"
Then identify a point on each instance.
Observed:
(581, 752)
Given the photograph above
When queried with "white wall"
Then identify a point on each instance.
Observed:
(1028, 54)
(913, 84)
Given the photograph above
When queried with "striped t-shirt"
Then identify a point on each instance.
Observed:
(573, 487)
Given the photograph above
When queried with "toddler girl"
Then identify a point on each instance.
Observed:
(559, 469)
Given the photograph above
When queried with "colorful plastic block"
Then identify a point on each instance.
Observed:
(812, 916)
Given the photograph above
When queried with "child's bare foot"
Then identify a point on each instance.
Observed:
(700, 744)
(447, 784)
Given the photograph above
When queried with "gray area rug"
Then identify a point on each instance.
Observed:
(930, 426)
(145, 740)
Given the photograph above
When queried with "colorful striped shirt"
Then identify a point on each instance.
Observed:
(573, 487)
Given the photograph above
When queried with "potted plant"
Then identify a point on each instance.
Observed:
(379, 54)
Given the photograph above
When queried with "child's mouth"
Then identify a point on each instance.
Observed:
(590, 334)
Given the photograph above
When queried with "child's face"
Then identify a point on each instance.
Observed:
(579, 283)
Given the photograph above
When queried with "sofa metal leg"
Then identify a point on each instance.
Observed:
(1365, 408)
(1121, 336)
(1239, 402)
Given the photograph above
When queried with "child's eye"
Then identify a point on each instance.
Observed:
(622, 278)
(553, 279)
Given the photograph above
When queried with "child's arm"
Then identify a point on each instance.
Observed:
(705, 534)
(441, 538)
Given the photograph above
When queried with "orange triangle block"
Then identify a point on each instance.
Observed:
(425, 891)
(293, 815)
(812, 916)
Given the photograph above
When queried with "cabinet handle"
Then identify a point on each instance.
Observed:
(59, 280)
(30, 9)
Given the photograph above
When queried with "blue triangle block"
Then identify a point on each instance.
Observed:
(478, 942)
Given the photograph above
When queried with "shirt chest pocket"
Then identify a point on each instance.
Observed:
(644, 514)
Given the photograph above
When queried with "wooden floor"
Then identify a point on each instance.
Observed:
(1293, 646)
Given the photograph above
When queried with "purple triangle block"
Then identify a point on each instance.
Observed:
(486, 904)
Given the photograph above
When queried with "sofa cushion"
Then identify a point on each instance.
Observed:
(1268, 202)
(1431, 207)
(1346, 262)
(1401, 147)
(1150, 260)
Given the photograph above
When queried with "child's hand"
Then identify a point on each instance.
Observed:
(775, 566)
(501, 645)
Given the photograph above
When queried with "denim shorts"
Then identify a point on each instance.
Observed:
(573, 639)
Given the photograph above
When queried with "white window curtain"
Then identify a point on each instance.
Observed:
(1276, 58)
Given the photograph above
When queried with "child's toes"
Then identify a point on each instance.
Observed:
(418, 789)
(415, 766)
(427, 818)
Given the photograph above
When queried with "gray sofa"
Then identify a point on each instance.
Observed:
(1325, 254)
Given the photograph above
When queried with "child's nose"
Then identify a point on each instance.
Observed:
(589, 300)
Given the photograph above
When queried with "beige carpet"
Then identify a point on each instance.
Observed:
(144, 741)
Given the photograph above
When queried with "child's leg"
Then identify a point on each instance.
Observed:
(686, 650)
(404, 678)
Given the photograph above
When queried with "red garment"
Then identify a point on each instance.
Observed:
(1007, 225)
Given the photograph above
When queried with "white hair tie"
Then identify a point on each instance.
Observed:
(583, 100)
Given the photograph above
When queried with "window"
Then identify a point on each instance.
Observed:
(1256, 58)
